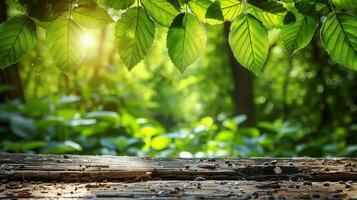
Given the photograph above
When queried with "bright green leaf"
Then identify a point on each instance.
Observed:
(119, 4)
(268, 19)
(231, 8)
(339, 37)
(298, 34)
(249, 41)
(161, 10)
(17, 39)
(186, 40)
(346, 4)
(200, 7)
(134, 34)
(91, 16)
(160, 142)
(270, 6)
(64, 43)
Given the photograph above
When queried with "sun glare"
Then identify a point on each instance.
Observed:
(88, 40)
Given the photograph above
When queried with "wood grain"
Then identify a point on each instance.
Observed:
(96, 168)
(106, 177)
(182, 189)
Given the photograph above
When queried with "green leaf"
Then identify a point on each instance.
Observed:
(289, 18)
(346, 4)
(61, 147)
(231, 8)
(161, 10)
(186, 40)
(64, 44)
(134, 34)
(269, 20)
(249, 42)
(268, 5)
(214, 11)
(45, 10)
(119, 4)
(91, 16)
(339, 37)
(17, 38)
(305, 7)
(177, 4)
(200, 7)
(160, 142)
(108, 116)
(298, 34)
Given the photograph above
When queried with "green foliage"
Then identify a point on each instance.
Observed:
(249, 42)
(231, 9)
(17, 38)
(339, 37)
(346, 4)
(119, 5)
(268, 5)
(186, 40)
(137, 28)
(64, 44)
(120, 133)
(298, 34)
(103, 109)
(161, 10)
(91, 16)
(134, 33)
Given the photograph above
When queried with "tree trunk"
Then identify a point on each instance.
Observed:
(10, 76)
(243, 93)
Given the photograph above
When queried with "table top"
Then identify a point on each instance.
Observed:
(103, 177)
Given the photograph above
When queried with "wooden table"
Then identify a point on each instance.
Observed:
(108, 177)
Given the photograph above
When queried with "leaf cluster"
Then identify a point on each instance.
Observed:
(251, 21)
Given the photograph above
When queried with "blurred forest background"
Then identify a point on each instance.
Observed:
(303, 105)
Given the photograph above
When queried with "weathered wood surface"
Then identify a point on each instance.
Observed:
(183, 189)
(107, 177)
(96, 168)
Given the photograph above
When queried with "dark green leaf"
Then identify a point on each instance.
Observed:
(339, 37)
(17, 39)
(298, 34)
(45, 10)
(289, 18)
(305, 7)
(214, 11)
(199, 8)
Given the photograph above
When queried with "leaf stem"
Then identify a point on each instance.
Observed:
(245, 6)
(331, 6)
(70, 9)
